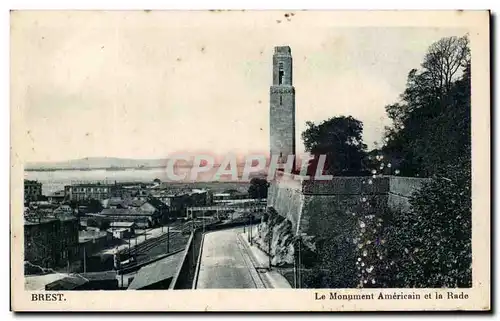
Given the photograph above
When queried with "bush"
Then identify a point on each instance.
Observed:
(431, 245)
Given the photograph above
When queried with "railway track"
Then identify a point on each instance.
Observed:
(144, 247)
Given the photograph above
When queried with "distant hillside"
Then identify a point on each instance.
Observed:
(97, 163)
(109, 162)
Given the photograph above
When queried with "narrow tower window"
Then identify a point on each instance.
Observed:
(281, 100)
(281, 74)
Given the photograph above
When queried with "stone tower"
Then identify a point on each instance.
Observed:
(282, 105)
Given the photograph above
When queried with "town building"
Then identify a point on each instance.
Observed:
(32, 190)
(142, 218)
(63, 210)
(50, 241)
(56, 197)
(122, 230)
(87, 191)
(92, 241)
(150, 206)
(226, 197)
(106, 280)
(179, 201)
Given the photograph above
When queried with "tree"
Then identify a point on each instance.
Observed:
(157, 181)
(104, 225)
(340, 140)
(431, 124)
(431, 136)
(258, 188)
(231, 191)
(443, 61)
(431, 246)
(42, 198)
(91, 222)
(93, 206)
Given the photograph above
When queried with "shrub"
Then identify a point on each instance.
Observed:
(431, 245)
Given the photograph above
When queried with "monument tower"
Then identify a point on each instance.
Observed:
(282, 105)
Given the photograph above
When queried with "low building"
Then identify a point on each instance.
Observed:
(57, 197)
(85, 281)
(180, 201)
(235, 195)
(42, 205)
(120, 233)
(122, 230)
(90, 243)
(116, 202)
(151, 205)
(64, 210)
(131, 226)
(32, 190)
(140, 217)
(38, 282)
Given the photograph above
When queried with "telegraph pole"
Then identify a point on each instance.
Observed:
(295, 266)
(300, 264)
(84, 260)
(269, 254)
(116, 259)
(193, 241)
(168, 234)
(250, 229)
(67, 261)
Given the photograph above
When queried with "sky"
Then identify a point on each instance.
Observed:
(146, 84)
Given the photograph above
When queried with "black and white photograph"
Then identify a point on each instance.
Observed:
(301, 151)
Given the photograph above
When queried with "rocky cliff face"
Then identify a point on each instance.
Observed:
(278, 239)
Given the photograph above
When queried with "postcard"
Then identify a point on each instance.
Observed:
(243, 160)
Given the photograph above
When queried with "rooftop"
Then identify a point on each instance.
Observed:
(99, 276)
(90, 234)
(28, 182)
(116, 229)
(91, 184)
(35, 220)
(124, 211)
(222, 194)
(57, 193)
(69, 282)
(122, 224)
(157, 271)
(38, 282)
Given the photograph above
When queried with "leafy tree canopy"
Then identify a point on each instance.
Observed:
(431, 123)
(258, 188)
(340, 140)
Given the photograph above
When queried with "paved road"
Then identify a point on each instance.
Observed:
(225, 263)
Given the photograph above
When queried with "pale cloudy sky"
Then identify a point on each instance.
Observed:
(147, 84)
